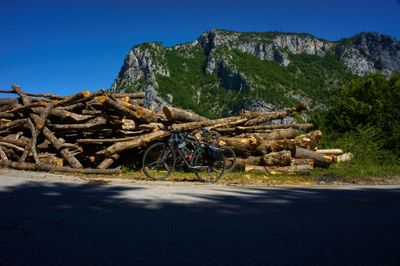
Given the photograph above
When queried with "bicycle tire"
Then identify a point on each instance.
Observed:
(209, 171)
(158, 161)
(230, 158)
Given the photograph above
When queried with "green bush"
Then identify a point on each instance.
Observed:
(370, 104)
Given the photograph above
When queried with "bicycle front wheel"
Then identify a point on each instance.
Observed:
(158, 161)
(209, 171)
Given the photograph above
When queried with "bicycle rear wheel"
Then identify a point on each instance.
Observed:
(209, 171)
(158, 161)
(230, 158)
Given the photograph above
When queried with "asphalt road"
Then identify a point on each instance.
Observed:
(68, 223)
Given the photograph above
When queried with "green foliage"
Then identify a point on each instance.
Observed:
(189, 85)
(370, 104)
(309, 76)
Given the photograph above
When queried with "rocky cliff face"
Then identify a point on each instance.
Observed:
(366, 53)
(222, 66)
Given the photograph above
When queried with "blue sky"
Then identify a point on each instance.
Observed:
(67, 46)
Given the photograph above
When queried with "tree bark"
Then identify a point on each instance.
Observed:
(318, 158)
(73, 162)
(295, 161)
(132, 95)
(276, 134)
(278, 169)
(3, 155)
(72, 99)
(281, 158)
(62, 113)
(249, 129)
(47, 167)
(330, 151)
(107, 162)
(251, 160)
(101, 141)
(240, 145)
(178, 114)
(258, 118)
(117, 107)
(98, 121)
(141, 141)
(12, 124)
(309, 140)
(197, 125)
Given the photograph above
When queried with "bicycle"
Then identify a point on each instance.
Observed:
(229, 154)
(184, 151)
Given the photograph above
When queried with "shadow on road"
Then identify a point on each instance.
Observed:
(98, 224)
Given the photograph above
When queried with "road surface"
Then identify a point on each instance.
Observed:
(55, 220)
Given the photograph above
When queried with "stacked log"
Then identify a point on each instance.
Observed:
(88, 132)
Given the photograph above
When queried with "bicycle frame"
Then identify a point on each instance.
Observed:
(198, 150)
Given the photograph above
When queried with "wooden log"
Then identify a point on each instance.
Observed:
(330, 151)
(47, 167)
(197, 125)
(12, 146)
(132, 95)
(62, 113)
(107, 162)
(128, 124)
(228, 123)
(319, 159)
(276, 134)
(152, 126)
(74, 106)
(240, 145)
(73, 98)
(38, 121)
(7, 115)
(178, 114)
(51, 159)
(141, 141)
(32, 144)
(101, 141)
(92, 112)
(11, 154)
(44, 145)
(48, 95)
(3, 155)
(309, 140)
(16, 140)
(251, 160)
(256, 169)
(25, 99)
(117, 107)
(7, 107)
(239, 129)
(281, 158)
(73, 162)
(27, 107)
(296, 169)
(8, 101)
(98, 121)
(264, 117)
(136, 101)
(266, 147)
(278, 169)
(43, 95)
(144, 114)
(295, 161)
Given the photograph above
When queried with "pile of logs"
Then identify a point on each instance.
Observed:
(88, 132)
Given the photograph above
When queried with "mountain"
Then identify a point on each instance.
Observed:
(223, 72)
